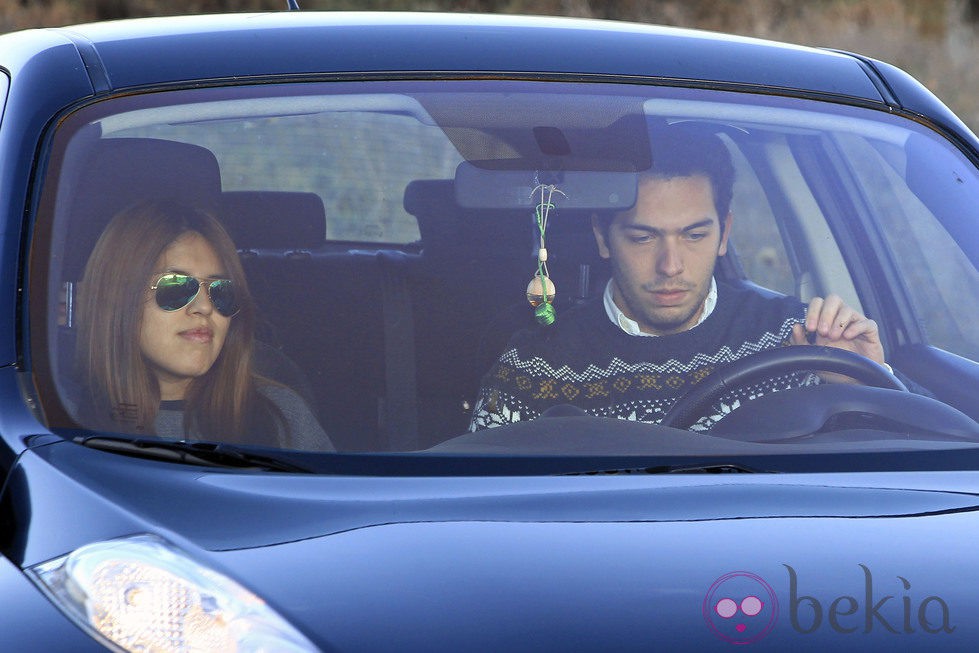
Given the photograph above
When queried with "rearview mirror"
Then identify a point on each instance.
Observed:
(482, 188)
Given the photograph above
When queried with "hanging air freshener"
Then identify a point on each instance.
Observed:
(541, 291)
(542, 301)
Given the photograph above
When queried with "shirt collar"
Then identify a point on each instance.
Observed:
(631, 327)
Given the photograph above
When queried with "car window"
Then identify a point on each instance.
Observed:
(357, 160)
(935, 270)
(386, 237)
(761, 249)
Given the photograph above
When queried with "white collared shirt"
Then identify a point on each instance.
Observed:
(631, 327)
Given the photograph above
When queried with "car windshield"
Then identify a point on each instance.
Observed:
(4, 85)
(459, 268)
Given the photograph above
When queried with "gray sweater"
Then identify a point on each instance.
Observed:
(304, 429)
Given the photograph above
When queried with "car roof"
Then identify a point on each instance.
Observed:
(74, 63)
(152, 51)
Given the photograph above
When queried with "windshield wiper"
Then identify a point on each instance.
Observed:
(722, 468)
(207, 454)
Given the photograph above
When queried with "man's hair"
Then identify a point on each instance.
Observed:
(687, 151)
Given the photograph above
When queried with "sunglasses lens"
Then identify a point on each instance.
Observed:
(174, 291)
(222, 294)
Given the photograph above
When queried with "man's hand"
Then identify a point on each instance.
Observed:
(837, 325)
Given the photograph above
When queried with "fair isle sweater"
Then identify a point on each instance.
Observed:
(585, 360)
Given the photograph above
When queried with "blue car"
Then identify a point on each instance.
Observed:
(422, 332)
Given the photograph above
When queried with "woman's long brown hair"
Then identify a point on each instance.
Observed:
(122, 391)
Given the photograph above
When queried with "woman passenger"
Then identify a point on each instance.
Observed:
(166, 333)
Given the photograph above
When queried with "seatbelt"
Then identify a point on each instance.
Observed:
(398, 412)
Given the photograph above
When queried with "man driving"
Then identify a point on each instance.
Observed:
(664, 323)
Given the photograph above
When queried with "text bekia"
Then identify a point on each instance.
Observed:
(897, 613)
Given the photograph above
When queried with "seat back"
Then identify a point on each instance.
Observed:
(113, 174)
(289, 221)
(469, 291)
(120, 172)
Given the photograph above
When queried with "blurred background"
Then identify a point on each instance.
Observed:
(934, 40)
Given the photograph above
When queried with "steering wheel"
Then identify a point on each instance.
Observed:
(771, 363)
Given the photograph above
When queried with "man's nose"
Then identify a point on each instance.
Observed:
(669, 262)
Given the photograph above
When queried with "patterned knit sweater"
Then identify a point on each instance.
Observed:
(585, 360)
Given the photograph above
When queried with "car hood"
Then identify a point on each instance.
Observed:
(544, 562)
(586, 585)
(221, 509)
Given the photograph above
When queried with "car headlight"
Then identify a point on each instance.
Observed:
(142, 594)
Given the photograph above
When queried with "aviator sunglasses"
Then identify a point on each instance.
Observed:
(175, 290)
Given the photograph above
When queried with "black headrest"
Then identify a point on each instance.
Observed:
(427, 195)
(274, 219)
(120, 172)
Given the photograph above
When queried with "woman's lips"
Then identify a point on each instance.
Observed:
(200, 335)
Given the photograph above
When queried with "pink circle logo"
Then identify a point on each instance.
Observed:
(740, 607)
